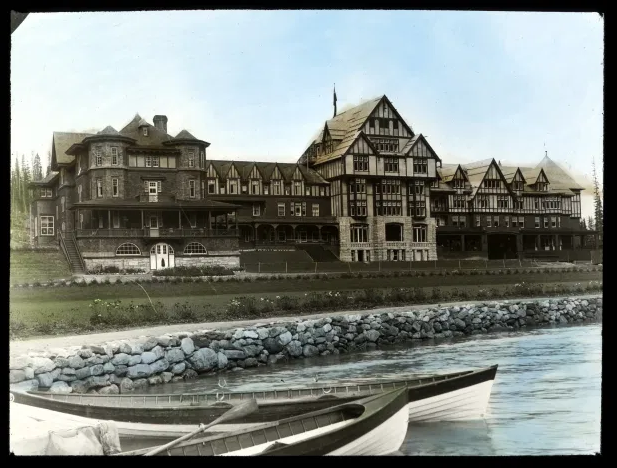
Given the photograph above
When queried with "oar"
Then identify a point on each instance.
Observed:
(243, 409)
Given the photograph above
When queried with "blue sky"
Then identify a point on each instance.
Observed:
(258, 84)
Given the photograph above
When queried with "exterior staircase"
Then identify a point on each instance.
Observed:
(318, 253)
(71, 252)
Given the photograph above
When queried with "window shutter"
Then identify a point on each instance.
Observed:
(145, 186)
(158, 186)
(291, 208)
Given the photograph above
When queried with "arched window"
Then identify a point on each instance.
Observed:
(128, 249)
(194, 248)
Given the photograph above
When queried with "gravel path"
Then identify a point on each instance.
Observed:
(20, 347)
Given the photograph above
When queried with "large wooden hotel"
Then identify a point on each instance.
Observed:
(367, 188)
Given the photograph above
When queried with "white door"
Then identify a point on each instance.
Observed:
(162, 256)
(417, 255)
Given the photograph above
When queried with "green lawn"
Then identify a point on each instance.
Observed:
(29, 267)
(209, 300)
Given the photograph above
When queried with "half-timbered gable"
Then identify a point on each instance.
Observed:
(421, 158)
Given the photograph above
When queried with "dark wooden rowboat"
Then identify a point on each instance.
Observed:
(274, 405)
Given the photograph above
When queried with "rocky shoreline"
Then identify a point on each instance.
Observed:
(121, 367)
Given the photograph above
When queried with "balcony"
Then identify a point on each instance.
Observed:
(166, 233)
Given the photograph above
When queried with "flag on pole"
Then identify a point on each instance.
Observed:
(334, 100)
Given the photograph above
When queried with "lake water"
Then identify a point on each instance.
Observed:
(546, 399)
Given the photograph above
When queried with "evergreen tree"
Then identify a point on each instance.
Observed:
(37, 169)
(583, 224)
(48, 170)
(16, 187)
(590, 224)
(599, 212)
(25, 180)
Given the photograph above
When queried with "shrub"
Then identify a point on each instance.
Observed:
(206, 270)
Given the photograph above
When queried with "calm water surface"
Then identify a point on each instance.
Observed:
(545, 401)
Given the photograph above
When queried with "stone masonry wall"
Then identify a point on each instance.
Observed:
(120, 367)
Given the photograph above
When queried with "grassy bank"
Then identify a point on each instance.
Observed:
(32, 266)
(108, 307)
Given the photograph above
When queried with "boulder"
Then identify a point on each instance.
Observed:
(222, 360)
(276, 331)
(137, 348)
(134, 360)
(178, 368)
(160, 366)
(250, 334)
(187, 346)
(140, 383)
(284, 338)
(60, 387)
(45, 380)
(125, 348)
(310, 350)
(250, 362)
(158, 351)
(203, 359)
(126, 385)
(112, 389)
(97, 349)
(372, 335)
(164, 341)
(85, 353)
(26, 385)
(234, 354)
(42, 365)
(273, 345)
(108, 368)
(148, 357)
(139, 371)
(155, 380)
(294, 348)
(121, 359)
(19, 362)
(97, 369)
(174, 355)
(121, 371)
(17, 376)
(263, 333)
(150, 343)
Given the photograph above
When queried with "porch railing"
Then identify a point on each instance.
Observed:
(295, 241)
(154, 232)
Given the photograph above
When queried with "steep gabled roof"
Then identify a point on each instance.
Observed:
(61, 142)
(45, 180)
(155, 136)
(414, 141)
(266, 169)
(558, 176)
(109, 130)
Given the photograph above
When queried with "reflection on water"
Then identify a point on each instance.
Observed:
(545, 400)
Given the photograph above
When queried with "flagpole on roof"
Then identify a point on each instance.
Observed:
(334, 100)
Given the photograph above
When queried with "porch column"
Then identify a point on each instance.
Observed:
(209, 219)
(319, 226)
(538, 245)
(142, 219)
(463, 249)
(556, 242)
(109, 220)
(179, 219)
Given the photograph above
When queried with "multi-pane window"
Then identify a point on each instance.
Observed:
(145, 131)
(191, 155)
(360, 163)
(420, 165)
(492, 184)
(192, 188)
(546, 222)
(537, 222)
(489, 221)
(194, 248)
(256, 209)
(553, 221)
(152, 161)
(390, 164)
(518, 205)
(558, 221)
(518, 186)
(297, 208)
(202, 159)
(483, 202)
(297, 187)
(386, 145)
(542, 187)
(254, 187)
(496, 221)
(79, 191)
(506, 221)
(357, 208)
(357, 186)
(315, 209)
(478, 221)
(98, 155)
(307, 190)
(99, 188)
(211, 186)
(359, 233)
(245, 188)
(388, 186)
(152, 186)
(281, 209)
(114, 156)
(521, 221)
(419, 234)
(47, 225)
(502, 202)
(459, 201)
(266, 190)
(46, 193)
(434, 183)
(114, 187)
(128, 249)
(459, 183)
(233, 186)
(276, 187)
(459, 221)
(552, 204)
(389, 208)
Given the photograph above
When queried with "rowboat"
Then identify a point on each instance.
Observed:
(466, 402)
(375, 425)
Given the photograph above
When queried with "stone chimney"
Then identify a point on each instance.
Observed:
(160, 122)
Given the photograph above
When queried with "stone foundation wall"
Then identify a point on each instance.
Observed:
(142, 263)
(229, 261)
(120, 367)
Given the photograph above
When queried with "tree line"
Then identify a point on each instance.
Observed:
(22, 173)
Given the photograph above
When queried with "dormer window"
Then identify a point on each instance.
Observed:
(459, 183)
(145, 131)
